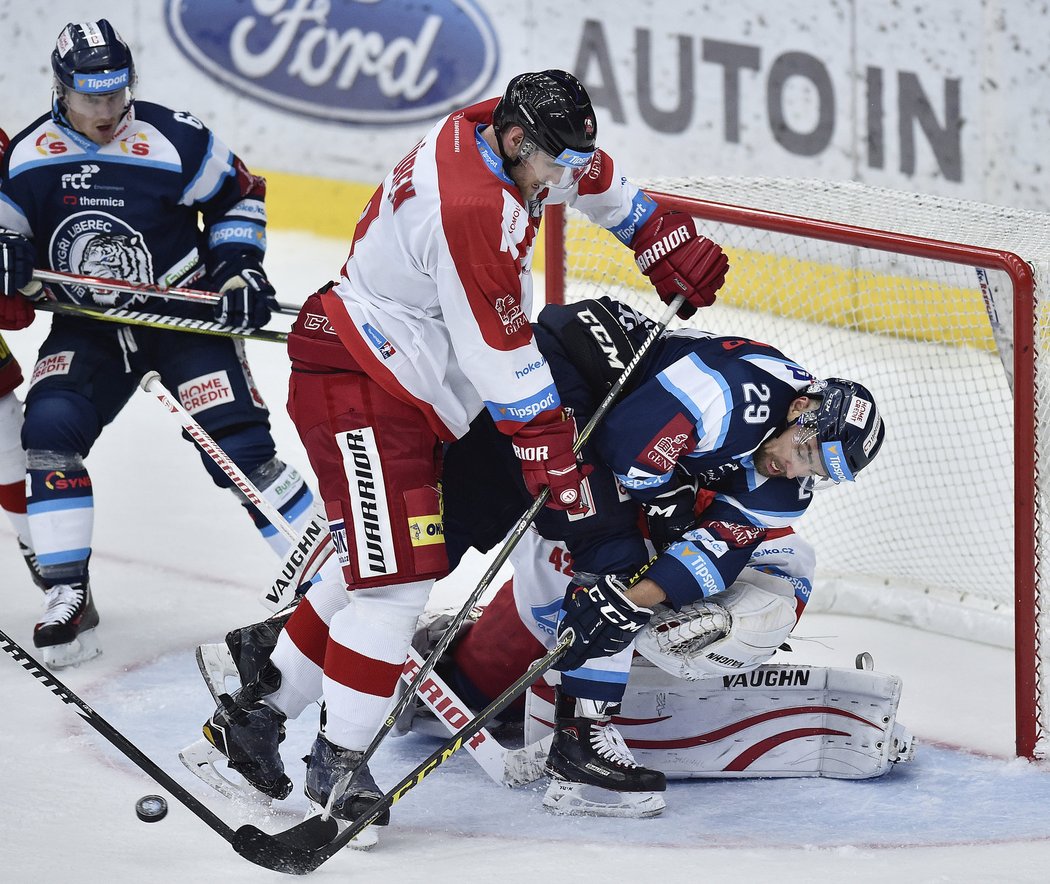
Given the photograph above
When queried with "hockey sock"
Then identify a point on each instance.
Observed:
(60, 511)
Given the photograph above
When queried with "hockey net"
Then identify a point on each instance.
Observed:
(937, 306)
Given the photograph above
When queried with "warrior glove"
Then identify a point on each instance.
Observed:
(678, 261)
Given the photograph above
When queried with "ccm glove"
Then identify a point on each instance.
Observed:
(547, 460)
(671, 514)
(17, 257)
(603, 621)
(248, 299)
(678, 261)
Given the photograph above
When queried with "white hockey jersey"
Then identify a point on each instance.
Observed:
(435, 299)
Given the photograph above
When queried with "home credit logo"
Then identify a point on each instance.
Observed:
(364, 61)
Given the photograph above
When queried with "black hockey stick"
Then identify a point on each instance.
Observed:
(501, 557)
(114, 736)
(159, 320)
(302, 848)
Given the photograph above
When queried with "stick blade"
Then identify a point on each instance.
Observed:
(296, 851)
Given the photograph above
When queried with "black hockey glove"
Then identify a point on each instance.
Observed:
(671, 514)
(248, 299)
(17, 257)
(602, 619)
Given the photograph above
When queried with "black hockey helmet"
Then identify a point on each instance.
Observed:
(554, 110)
(848, 426)
(91, 58)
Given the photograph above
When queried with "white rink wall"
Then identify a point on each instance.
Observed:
(947, 98)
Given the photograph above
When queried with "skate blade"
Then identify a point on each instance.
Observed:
(366, 839)
(201, 759)
(83, 648)
(216, 665)
(579, 799)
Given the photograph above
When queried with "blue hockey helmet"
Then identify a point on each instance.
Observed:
(849, 429)
(91, 58)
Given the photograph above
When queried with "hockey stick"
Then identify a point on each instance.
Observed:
(138, 288)
(159, 320)
(148, 766)
(304, 847)
(307, 548)
(501, 557)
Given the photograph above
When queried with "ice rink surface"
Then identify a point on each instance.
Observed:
(176, 562)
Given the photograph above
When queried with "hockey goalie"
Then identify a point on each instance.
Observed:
(702, 698)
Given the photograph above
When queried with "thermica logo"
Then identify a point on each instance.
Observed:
(361, 61)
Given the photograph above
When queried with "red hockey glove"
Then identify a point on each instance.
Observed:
(16, 312)
(678, 261)
(547, 460)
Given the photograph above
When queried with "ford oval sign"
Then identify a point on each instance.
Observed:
(362, 61)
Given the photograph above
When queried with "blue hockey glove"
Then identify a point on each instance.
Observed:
(17, 257)
(602, 619)
(247, 296)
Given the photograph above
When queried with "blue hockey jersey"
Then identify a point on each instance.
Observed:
(132, 209)
(704, 406)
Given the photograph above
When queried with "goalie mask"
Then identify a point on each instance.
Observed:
(848, 427)
(560, 130)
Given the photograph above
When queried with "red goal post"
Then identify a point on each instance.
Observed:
(935, 304)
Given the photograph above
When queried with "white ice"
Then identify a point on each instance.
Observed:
(176, 562)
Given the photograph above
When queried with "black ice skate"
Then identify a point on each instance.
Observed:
(66, 632)
(248, 736)
(593, 772)
(326, 765)
(241, 659)
(33, 565)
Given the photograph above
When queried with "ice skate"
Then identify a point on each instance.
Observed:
(242, 657)
(66, 632)
(248, 736)
(594, 774)
(325, 767)
(32, 564)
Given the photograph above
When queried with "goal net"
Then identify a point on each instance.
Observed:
(936, 305)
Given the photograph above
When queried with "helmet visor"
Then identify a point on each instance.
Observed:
(560, 172)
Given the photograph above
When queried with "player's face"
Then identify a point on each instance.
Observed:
(96, 116)
(793, 454)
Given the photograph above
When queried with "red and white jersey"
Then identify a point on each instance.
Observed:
(435, 299)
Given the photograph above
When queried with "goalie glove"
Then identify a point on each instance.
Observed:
(548, 460)
(671, 514)
(603, 621)
(248, 299)
(678, 261)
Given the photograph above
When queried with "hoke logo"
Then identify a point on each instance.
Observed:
(360, 61)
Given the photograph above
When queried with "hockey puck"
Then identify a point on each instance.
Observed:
(151, 808)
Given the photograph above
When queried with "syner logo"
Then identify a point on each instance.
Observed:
(362, 61)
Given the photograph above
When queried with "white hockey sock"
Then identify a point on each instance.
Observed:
(368, 643)
(302, 643)
(13, 466)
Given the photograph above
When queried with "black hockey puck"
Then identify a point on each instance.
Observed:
(151, 808)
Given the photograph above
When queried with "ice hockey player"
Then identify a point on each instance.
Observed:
(428, 327)
(15, 313)
(736, 418)
(110, 187)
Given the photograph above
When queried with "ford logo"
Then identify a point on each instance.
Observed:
(360, 61)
